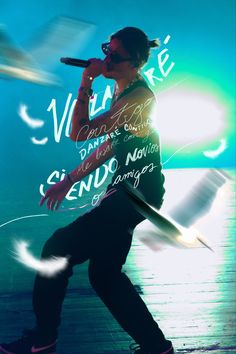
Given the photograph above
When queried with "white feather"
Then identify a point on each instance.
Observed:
(39, 142)
(31, 122)
(47, 267)
(214, 153)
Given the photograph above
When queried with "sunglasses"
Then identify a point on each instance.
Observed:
(115, 57)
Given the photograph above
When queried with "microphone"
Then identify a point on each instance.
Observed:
(75, 62)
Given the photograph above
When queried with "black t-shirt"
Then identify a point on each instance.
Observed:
(139, 161)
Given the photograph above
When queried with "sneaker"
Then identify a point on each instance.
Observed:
(137, 349)
(27, 344)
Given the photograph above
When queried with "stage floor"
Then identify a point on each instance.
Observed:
(191, 293)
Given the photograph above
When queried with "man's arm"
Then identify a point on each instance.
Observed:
(93, 161)
(134, 108)
(56, 193)
(81, 110)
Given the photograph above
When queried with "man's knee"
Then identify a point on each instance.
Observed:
(103, 276)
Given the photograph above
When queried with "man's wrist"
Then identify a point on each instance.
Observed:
(87, 81)
(86, 91)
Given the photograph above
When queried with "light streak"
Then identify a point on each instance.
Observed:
(166, 229)
(29, 74)
(161, 230)
(22, 217)
(173, 86)
(191, 238)
(178, 150)
(71, 208)
(47, 267)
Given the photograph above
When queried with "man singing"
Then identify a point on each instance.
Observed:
(103, 236)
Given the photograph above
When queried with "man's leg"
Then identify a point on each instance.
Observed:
(72, 240)
(113, 286)
(119, 295)
(75, 242)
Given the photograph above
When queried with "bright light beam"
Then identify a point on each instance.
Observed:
(192, 115)
(167, 230)
(48, 267)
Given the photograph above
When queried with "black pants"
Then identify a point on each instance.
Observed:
(104, 237)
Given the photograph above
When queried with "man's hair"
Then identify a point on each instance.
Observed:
(136, 43)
